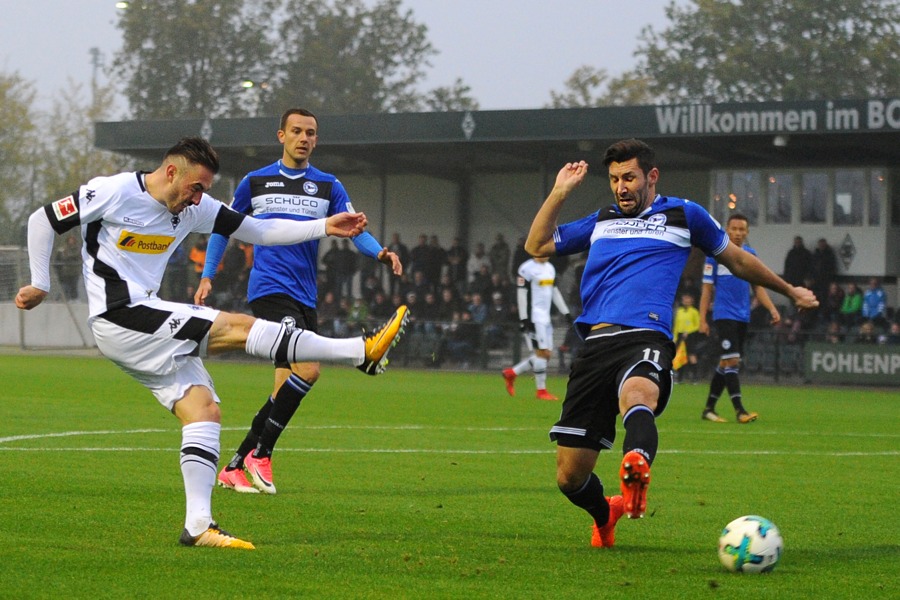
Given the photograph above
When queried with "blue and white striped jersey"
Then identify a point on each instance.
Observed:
(299, 194)
(732, 299)
(634, 264)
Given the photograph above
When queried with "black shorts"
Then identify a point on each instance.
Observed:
(278, 306)
(591, 406)
(731, 336)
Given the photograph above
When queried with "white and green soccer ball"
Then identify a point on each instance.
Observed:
(750, 544)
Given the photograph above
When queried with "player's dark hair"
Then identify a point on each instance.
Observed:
(196, 151)
(296, 111)
(625, 150)
(736, 216)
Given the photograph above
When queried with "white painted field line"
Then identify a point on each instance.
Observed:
(449, 451)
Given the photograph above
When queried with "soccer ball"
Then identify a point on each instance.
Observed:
(750, 544)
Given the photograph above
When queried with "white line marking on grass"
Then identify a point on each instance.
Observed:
(474, 452)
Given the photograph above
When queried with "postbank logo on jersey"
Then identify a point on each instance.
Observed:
(144, 244)
(545, 282)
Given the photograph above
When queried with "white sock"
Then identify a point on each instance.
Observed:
(540, 372)
(266, 337)
(523, 366)
(199, 462)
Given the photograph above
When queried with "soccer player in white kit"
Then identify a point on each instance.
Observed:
(131, 223)
(536, 294)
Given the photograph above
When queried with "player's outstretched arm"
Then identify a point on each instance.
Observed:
(284, 232)
(748, 267)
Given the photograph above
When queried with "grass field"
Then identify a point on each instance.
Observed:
(433, 485)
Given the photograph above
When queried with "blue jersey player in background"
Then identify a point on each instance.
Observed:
(637, 249)
(282, 283)
(731, 314)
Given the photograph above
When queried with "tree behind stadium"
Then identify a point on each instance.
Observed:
(755, 50)
(216, 58)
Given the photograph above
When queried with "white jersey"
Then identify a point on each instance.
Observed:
(540, 279)
(128, 236)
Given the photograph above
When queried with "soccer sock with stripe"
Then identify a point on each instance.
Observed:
(199, 459)
(276, 342)
(715, 388)
(287, 401)
(523, 366)
(733, 383)
(641, 434)
(252, 437)
(590, 498)
(540, 372)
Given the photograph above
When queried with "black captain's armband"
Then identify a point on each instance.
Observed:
(227, 221)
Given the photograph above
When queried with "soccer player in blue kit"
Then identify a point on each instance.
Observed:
(731, 314)
(282, 281)
(638, 247)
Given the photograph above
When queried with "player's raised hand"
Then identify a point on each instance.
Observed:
(346, 224)
(571, 175)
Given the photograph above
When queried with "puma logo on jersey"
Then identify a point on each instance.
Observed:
(144, 244)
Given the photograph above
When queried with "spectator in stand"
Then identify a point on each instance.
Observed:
(834, 334)
(437, 258)
(370, 286)
(481, 282)
(499, 256)
(429, 312)
(499, 320)
(331, 316)
(477, 261)
(347, 267)
(419, 255)
(851, 307)
(874, 304)
(457, 261)
(824, 268)
(358, 316)
(830, 309)
(331, 261)
(380, 305)
(449, 304)
(478, 309)
(197, 256)
(420, 285)
(893, 335)
(463, 337)
(797, 263)
(866, 334)
(499, 284)
(519, 257)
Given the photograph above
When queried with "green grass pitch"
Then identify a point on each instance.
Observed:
(423, 484)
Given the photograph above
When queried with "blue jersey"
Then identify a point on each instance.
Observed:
(634, 264)
(299, 194)
(732, 299)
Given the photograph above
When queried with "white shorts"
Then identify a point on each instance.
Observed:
(541, 338)
(158, 343)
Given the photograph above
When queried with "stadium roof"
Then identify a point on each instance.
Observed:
(452, 144)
